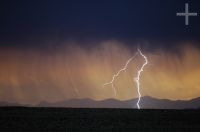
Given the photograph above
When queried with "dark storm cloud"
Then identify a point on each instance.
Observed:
(47, 22)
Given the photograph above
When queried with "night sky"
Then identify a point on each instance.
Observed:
(28, 20)
(52, 50)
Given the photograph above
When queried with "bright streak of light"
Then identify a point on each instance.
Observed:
(137, 79)
(117, 74)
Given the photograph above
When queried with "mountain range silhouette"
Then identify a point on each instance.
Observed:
(146, 102)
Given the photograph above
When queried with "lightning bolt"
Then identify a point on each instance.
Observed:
(117, 74)
(137, 79)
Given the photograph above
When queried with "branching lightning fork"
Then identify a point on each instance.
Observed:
(117, 74)
(137, 79)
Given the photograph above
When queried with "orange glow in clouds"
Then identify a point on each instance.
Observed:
(31, 76)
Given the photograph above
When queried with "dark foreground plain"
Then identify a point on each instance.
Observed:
(19, 119)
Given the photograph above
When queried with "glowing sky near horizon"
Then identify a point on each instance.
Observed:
(29, 76)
